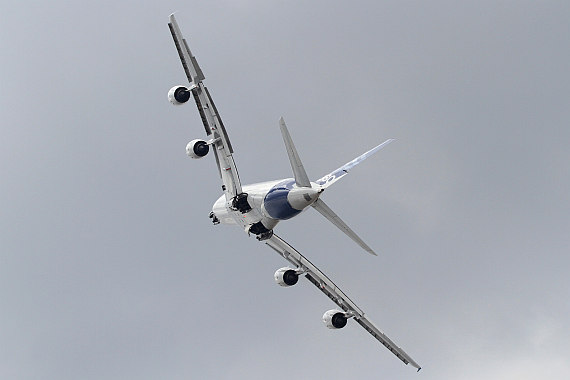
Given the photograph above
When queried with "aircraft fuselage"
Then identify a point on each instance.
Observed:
(269, 202)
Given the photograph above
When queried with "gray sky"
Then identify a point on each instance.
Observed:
(111, 269)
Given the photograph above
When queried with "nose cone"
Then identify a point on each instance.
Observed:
(301, 197)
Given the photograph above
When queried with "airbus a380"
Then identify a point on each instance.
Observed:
(259, 207)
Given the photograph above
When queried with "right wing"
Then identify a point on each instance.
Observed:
(325, 285)
(210, 117)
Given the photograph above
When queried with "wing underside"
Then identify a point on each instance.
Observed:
(325, 285)
(211, 119)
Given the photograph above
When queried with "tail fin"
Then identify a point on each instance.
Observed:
(334, 176)
(302, 180)
(299, 172)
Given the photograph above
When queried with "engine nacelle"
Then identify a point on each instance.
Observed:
(286, 276)
(197, 148)
(178, 95)
(335, 319)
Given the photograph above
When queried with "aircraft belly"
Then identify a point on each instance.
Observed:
(227, 215)
(221, 211)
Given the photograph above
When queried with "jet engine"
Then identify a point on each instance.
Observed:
(197, 148)
(335, 319)
(178, 95)
(286, 277)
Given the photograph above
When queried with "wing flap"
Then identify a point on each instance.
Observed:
(191, 68)
(222, 127)
(386, 342)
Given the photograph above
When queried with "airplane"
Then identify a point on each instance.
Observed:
(258, 208)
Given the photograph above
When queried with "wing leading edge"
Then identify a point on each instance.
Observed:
(209, 114)
(325, 285)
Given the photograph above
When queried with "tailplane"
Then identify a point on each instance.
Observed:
(325, 211)
(302, 181)
(337, 174)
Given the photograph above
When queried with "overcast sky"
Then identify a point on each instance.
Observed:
(111, 269)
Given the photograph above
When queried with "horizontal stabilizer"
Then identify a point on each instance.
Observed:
(334, 176)
(301, 177)
(321, 207)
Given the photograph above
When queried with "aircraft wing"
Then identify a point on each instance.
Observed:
(211, 119)
(325, 285)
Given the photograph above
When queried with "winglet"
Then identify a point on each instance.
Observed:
(299, 172)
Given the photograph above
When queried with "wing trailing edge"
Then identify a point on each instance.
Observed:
(189, 63)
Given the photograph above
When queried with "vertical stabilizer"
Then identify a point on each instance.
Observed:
(299, 172)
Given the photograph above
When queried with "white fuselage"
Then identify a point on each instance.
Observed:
(270, 202)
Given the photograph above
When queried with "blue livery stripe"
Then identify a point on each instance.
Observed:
(276, 203)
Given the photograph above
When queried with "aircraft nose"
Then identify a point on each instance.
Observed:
(301, 197)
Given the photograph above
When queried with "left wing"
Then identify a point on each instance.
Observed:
(210, 117)
(325, 285)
